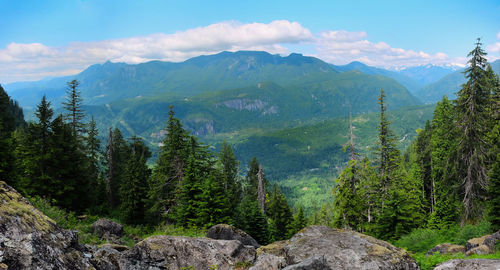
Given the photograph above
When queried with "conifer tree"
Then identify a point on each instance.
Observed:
(134, 186)
(229, 167)
(299, 222)
(9, 114)
(347, 203)
(252, 180)
(423, 152)
(252, 220)
(473, 120)
(443, 142)
(118, 154)
(169, 169)
(73, 106)
(388, 154)
(32, 152)
(280, 214)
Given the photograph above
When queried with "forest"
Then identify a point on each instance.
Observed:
(449, 176)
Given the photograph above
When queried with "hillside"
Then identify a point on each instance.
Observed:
(448, 85)
(410, 84)
(108, 82)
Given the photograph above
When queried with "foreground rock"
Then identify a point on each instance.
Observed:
(228, 232)
(31, 240)
(446, 248)
(340, 249)
(108, 230)
(471, 264)
(173, 252)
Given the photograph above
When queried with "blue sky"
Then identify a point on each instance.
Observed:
(51, 38)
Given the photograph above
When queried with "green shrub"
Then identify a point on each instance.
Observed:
(421, 240)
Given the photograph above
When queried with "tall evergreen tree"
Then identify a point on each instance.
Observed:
(73, 106)
(11, 116)
(388, 154)
(422, 149)
(252, 220)
(443, 142)
(169, 169)
(134, 186)
(299, 222)
(229, 167)
(118, 154)
(473, 120)
(348, 205)
(280, 214)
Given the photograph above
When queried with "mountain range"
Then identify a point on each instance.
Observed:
(290, 112)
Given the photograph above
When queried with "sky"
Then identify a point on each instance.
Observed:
(40, 39)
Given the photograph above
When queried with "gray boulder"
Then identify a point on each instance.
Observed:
(106, 258)
(314, 262)
(471, 264)
(228, 232)
(446, 248)
(108, 230)
(269, 262)
(31, 240)
(346, 250)
(173, 252)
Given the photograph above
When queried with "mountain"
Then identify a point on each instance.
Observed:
(410, 84)
(217, 115)
(448, 85)
(428, 73)
(108, 82)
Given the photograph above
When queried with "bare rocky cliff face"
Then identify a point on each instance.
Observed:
(31, 240)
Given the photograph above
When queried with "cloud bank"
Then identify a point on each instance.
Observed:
(21, 62)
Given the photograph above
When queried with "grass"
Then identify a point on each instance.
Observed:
(429, 262)
(133, 234)
(419, 241)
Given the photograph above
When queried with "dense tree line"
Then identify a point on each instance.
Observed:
(449, 175)
(60, 158)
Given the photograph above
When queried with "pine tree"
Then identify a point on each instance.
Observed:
(473, 120)
(9, 114)
(443, 142)
(229, 168)
(134, 186)
(252, 220)
(169, 169)
(299, 222)
(73, 106)
(348, 205)
(94, 161)
(423, 152)
(252, 180)
(214, 204)
(280, 214)
(32, 153)
(493, 206)
(388, 154)
(118, 152)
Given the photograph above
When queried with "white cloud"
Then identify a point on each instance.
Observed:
(341, 47)
(35, 61)
(494, 50)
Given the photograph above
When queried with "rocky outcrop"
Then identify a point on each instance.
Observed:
(269, 261)
(472, 264)
(108, 230)
(228, 232)
(31, 240)
(446, 248)
(174, 252)
(340, 249)
(313, 262)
